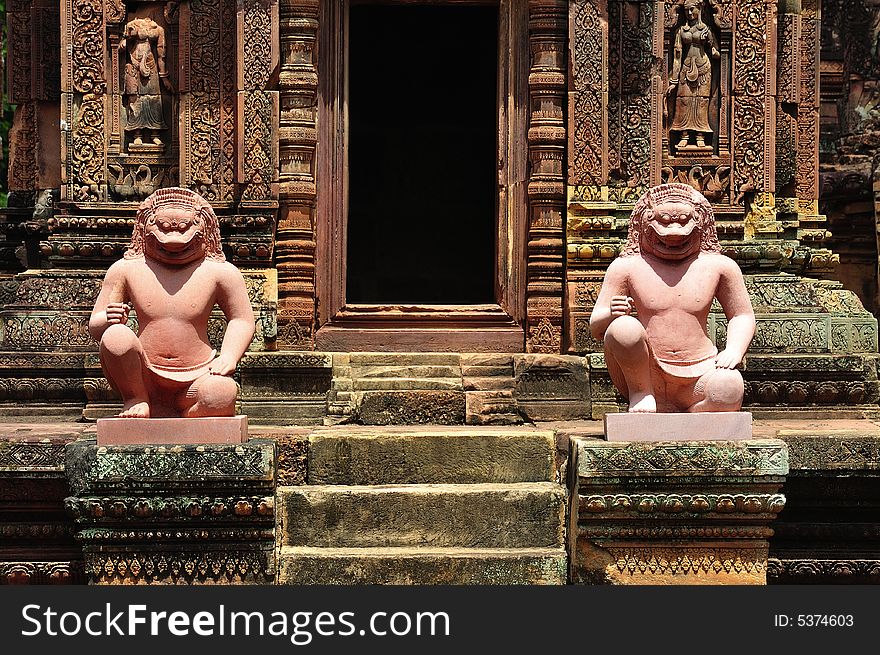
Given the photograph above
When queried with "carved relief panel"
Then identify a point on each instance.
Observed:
(157, 94)
(696, 97)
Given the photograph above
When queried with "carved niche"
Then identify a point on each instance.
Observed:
(696, 98)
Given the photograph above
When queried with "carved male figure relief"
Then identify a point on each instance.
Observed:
(669, 273)
(173, 274)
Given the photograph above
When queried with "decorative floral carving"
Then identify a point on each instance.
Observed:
(749, 86)
(588, 139)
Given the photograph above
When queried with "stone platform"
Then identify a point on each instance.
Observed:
(706, 426)
(169, 431)
(361, 504)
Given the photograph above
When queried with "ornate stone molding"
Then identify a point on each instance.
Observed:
(42, 573)
(823, 571)
(174, 515)
(675, 512)
(637, 459)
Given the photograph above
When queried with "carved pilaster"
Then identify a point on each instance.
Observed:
(754, 87)
(546, 186)
(83, 99)
(808, 109)
(33, 87)
(257, 22)
(207, 99)
(295, 241)
(588, 94)
(788, 97)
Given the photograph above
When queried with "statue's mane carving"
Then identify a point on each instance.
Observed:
(672, 192)
(179, 198)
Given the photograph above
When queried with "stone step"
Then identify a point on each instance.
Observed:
(407, 566)
(364, 455)
(523, 515)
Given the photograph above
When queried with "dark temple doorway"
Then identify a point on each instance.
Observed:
(422, 151)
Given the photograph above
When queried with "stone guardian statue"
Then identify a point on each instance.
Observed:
(173, 274)
(668, 275)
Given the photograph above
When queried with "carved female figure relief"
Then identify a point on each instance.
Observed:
(691, 81)
(145, 77)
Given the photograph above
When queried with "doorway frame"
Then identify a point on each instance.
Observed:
(493, 327)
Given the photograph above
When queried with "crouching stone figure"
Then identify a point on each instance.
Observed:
(172, 274)
(669, 273)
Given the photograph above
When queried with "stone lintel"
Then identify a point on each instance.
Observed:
(170, 431)
(705, 426)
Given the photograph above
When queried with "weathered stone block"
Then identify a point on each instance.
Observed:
(292, 453)
(552, 387)
(285, 387)
(408, 566)
(404, 359)
(510, 516)
(352, 455)
(412, 407)
(491, 408)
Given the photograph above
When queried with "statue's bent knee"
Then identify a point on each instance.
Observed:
(725, 387)
(625, 332)
(217, 392)
(119, 340)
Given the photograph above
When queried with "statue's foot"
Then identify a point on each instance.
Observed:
(135, 409)
(138, 141)
(642, 402)
(157, 141)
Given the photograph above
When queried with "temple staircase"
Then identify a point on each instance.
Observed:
(425, 505)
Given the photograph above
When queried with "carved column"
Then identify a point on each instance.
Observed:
(546, 185)
(295, 240)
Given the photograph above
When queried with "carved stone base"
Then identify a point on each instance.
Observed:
(174, 515)
(37, 543)
(675, 513)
